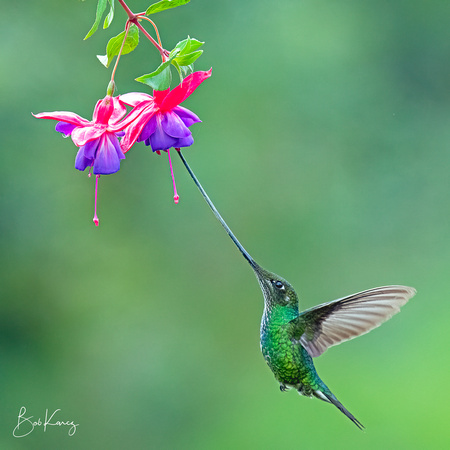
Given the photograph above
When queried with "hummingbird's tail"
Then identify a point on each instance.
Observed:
(328, 396)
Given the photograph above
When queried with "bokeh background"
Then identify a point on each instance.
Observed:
(324, 144)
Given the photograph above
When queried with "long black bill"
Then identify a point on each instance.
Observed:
(219, 217)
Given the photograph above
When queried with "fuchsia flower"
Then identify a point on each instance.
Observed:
(99, 146)
(159, 120)
(98, 142)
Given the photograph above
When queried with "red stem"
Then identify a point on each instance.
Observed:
(130, 14)
(134, 18)
(127, 28)
(142, 16)
(160, 49)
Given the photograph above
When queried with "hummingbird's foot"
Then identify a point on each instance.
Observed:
(283, 388)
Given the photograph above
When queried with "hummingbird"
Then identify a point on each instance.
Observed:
(290, 338)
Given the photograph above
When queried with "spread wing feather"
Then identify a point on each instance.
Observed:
(331, 323)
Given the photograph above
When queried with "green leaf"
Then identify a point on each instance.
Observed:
(188, 51)
(187, 70)
(109, 18)
(179, 69)
(160, 79)
(157, 81)
(173, 54)
(101, 6)
(188, 59)
(176, 66)
(115, 43)
(183, 71)
(189, 45)
(165, 4)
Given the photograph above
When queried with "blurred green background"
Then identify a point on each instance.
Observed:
(324, 144)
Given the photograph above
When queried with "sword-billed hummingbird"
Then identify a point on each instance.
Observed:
(290, 339)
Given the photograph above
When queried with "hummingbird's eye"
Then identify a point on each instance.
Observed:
(278, 284)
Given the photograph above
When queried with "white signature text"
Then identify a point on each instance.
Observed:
(26, 425)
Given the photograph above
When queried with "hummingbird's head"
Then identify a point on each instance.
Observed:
(276, 290)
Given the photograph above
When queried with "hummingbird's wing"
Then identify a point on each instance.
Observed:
(340, 320)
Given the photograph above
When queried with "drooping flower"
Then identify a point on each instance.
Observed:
(159, 120)
(97, 140)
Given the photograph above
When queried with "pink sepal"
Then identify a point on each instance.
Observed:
(180, 93)
(64, 116)
(119, 110)
(103, 110)
(81, 136)
(134, 98)
(135, 122)
(159, 96)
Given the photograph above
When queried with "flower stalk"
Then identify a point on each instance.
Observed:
(95, 219)
(127, 29)
(134, 18)
(176, 197)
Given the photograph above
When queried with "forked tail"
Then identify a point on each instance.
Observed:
(332, 399)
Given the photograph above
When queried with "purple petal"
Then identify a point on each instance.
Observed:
(86, 155)
(107, 160)
(159, 140)
(174, 126)
(148, 129)
(81, 162)
(90, 148)
(115, 142)
(187, 116)
(65, 128)
(185, 142)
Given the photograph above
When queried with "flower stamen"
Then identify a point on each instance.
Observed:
(176, 197)
(95, 219)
